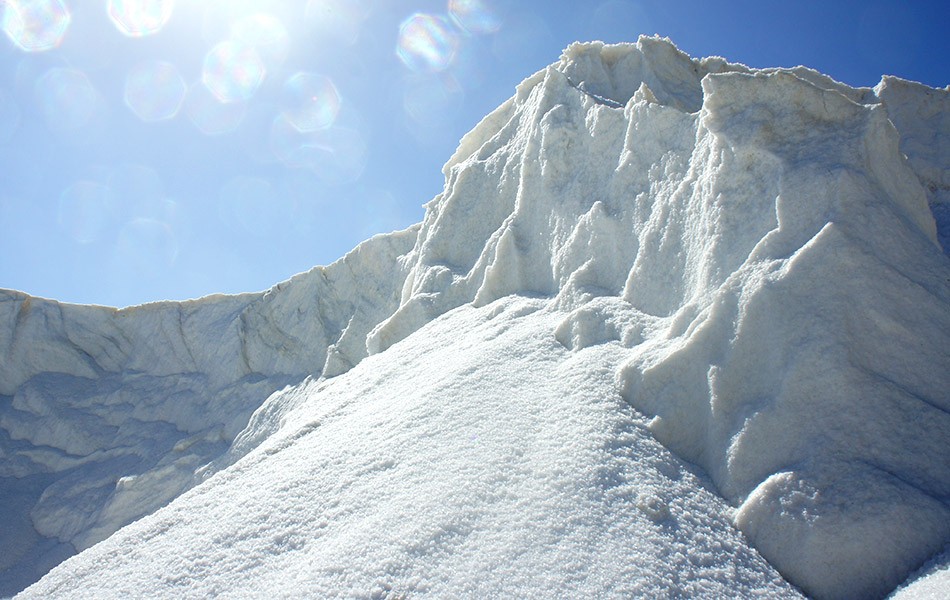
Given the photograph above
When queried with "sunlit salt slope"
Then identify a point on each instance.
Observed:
(670, 319)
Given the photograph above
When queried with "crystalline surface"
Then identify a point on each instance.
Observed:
(639, 263)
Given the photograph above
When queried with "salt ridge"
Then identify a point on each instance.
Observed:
(757, 249)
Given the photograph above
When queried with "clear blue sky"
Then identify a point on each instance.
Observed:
(126, 179)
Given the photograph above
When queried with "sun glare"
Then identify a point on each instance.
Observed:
(154, 90)
(285, 89)
(35, 25)
(427, 43)
(137, 18)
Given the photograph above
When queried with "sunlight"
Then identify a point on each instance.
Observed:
(233, 71)
(137, 18)
(209, 114)
(66, 97)
(35, 25)
(427, 43)
(311, 101)
(154, 90)
(474, 16)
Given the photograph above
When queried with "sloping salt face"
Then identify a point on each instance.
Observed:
(105, 414)
(764, 251)
(930, 582)
(922, 115)
(477, 458)
(748, 258)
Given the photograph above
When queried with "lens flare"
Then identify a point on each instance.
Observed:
(266, 35)
(35, 25)
(67, 98)
(137, 18)
(210, 115)
(83, 211)
(297, 148)
(427, 43)
(474, 16)
(154, 90)
(311, 101)
(232, 71)
(336, 155)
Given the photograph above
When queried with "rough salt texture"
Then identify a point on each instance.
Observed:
(479, 458)
(765, 251)
(752, 258)
(930, 582)
(106, 414)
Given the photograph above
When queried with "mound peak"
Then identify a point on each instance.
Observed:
(742, 265)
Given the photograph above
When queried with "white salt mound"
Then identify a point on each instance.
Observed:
(480, 459)
(674, 327)
(930, 582)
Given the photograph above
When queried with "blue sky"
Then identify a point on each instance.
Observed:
(155, 150)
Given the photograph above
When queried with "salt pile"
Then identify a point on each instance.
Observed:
(674, 327)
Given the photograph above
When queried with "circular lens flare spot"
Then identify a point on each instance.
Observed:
(296, 148)
(35, 25)
(474, 16)
(137, 18)
(66, 97)
(210, 115)
(232, 71)
(311, 101)
(266, 35)
(154, 90)
(427, 43)
(336, 155)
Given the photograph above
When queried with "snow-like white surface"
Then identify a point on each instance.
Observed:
(931, 582)
(106, 414)
(479, 458)
(741, 267)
